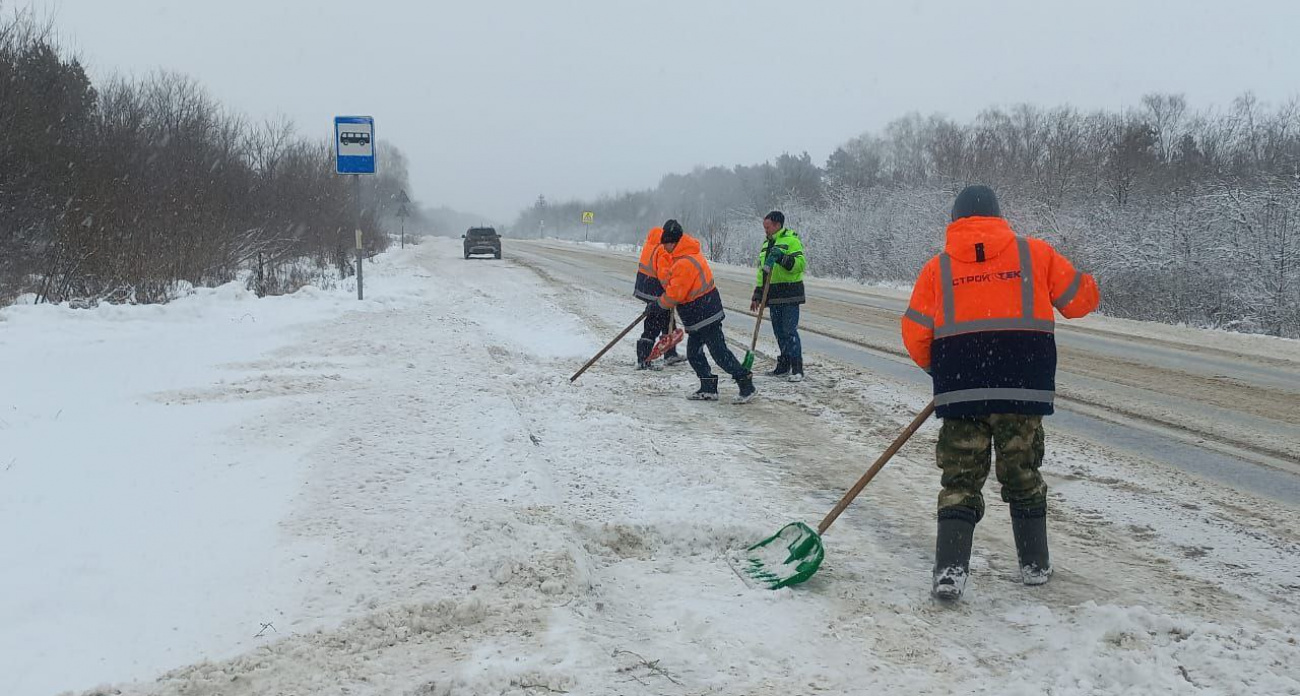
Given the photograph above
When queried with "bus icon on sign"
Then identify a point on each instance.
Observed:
(354, 138)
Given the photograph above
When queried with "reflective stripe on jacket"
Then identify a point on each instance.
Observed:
(688, 285)
(982, 319)
(647, 286)
(786, 286)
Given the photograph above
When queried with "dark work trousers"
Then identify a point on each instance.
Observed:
(785, 324)
(712, 338)
(655, 325)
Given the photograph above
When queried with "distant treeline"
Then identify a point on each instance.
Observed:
(127, 191)
(1184, 216)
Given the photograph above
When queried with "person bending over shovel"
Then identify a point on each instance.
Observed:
(688, 287)
(648, 290)
(981, 323)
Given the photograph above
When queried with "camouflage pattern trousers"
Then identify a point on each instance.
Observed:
(965, 450)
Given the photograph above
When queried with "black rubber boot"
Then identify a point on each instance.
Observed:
(708, 390)
(796, 369)
(952, 552)
(746, 384)
(643, 348)
(782, 367)
(1029, 525)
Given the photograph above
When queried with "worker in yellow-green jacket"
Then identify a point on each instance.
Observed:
(781, 263)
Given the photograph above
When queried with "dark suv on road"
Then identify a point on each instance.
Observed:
(482, 240)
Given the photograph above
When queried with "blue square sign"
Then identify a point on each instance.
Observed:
(354, 144)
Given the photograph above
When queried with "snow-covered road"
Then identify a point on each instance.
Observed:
(311, 495)
(1208, 400)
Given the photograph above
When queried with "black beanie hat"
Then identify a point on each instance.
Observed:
(975, 201)
(672, 232)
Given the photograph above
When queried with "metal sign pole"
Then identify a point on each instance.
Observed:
(356, 190)
(403, 213)
(354, 154)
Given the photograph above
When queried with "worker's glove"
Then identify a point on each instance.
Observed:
(774, 256)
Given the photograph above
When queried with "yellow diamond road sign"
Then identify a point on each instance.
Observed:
(588, 217)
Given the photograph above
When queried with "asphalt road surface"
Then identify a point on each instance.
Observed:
(1226, 415)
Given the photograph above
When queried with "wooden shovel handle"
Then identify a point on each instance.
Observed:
(875, 468)
(758, 323)
(609, 345)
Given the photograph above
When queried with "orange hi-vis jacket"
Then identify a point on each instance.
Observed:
(647, 285)
(688, 285)
(982, 319)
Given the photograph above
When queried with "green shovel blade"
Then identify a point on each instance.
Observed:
(748, 362)
(786, 558)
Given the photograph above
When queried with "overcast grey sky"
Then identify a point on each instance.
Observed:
(496, 102)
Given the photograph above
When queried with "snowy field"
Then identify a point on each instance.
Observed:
(314, 495)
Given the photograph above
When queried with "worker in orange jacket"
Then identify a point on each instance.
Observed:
(648, 288)
(689, 288)
(981, 321)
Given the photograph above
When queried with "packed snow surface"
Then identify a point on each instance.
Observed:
(406, 495)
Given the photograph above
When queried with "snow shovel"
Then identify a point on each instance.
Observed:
(748, 362)
(609, 345)
(793, 554)
(669, 340)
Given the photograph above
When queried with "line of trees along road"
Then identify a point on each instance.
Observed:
(1184, 216)
(133, 189)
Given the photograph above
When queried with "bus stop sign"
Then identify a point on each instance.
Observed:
(354, 144)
